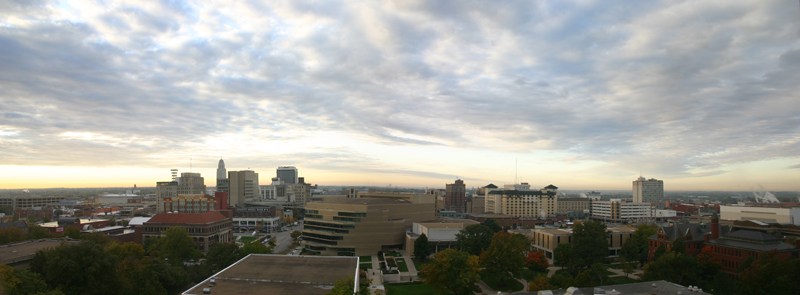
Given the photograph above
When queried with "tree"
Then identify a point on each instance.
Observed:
(708, 266)
(57, 213)
(770, 274)
(599, 271)
(32, 219)
(451, 272)
(345, 287)
(177, 246)
(98, 269)
(724, 283)
(222, 255)
(679, 246)
(11, 235)
(536, 261)
(562, 255)
(540, 282)
(473, 239)
(255, 247)
(659, 252)
(590, 243)
(295, 234)
(584, 279)
(21, 282)
(636, 247)
(72, 232)
(46, 219)
(493, 225)
(112, 221)
(627, 266)
(505, 257)
(559, 281)
(673, 267)
(37, 232)
(421, 248)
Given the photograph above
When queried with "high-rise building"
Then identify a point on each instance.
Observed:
(301, 191)
(243, 185)
(456, 196)
(222, 178)
(187, 184)
(288, 174)
(648, 191)
(525, 203)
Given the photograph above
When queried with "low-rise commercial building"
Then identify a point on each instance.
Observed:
(767, 214)
(364, 225)
(206, 229)
(547, 239)
(28, 201)
(441, 233)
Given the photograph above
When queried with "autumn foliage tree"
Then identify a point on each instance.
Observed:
(536, 261)
(505, 257)
(451, 272)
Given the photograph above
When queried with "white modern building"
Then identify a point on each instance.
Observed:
(618, 210)
(766, 214)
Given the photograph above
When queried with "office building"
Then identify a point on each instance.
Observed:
(455, 196)
(189, 204)
(616, 210)
(243, 187)
(526, 203)
(222, 178)
(648, 191)
(439, 194)
(187, 184)
(364, 225)
(352, 192)
(573, 204)
(288, 174)
(301, 191)
(492, 201)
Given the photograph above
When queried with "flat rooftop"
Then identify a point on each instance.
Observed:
(17, 252)
(281, 275)
(367, 201)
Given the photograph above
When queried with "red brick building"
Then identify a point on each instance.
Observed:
(206, 229)
(734, 248)
(455, 198)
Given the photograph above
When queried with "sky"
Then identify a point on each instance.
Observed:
(585, 95)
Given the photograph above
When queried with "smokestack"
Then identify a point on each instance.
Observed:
(714, 226)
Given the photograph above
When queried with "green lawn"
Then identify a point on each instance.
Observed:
(391, 262)
(415, 288)
(419, 263)
(528, 274)
(618, 281)
(365, 258)
(248, 239)
(512, 285)
(365, 266)
(393, 254)
(401, 263)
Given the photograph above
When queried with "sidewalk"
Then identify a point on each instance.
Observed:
(412, 269)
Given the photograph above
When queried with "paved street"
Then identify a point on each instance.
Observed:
(282, 239)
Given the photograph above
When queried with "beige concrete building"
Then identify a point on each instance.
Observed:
(492, 200)
(476, 204)
(573, 204)
(27, 201)
(243, 185)
(520, 203)
(187, 184)
(439, 194)
(301, 191)
(547, 239)
(364, 225)
(618, 210)
(441, 233)
(766, 214)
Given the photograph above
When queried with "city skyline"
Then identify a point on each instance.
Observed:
(587, 95)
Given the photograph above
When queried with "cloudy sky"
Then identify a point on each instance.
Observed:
(584, 95)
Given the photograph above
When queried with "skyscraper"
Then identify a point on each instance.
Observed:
(288, 174)
(222, 178)
(455, 196)
(648, 190)
(243, 185)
